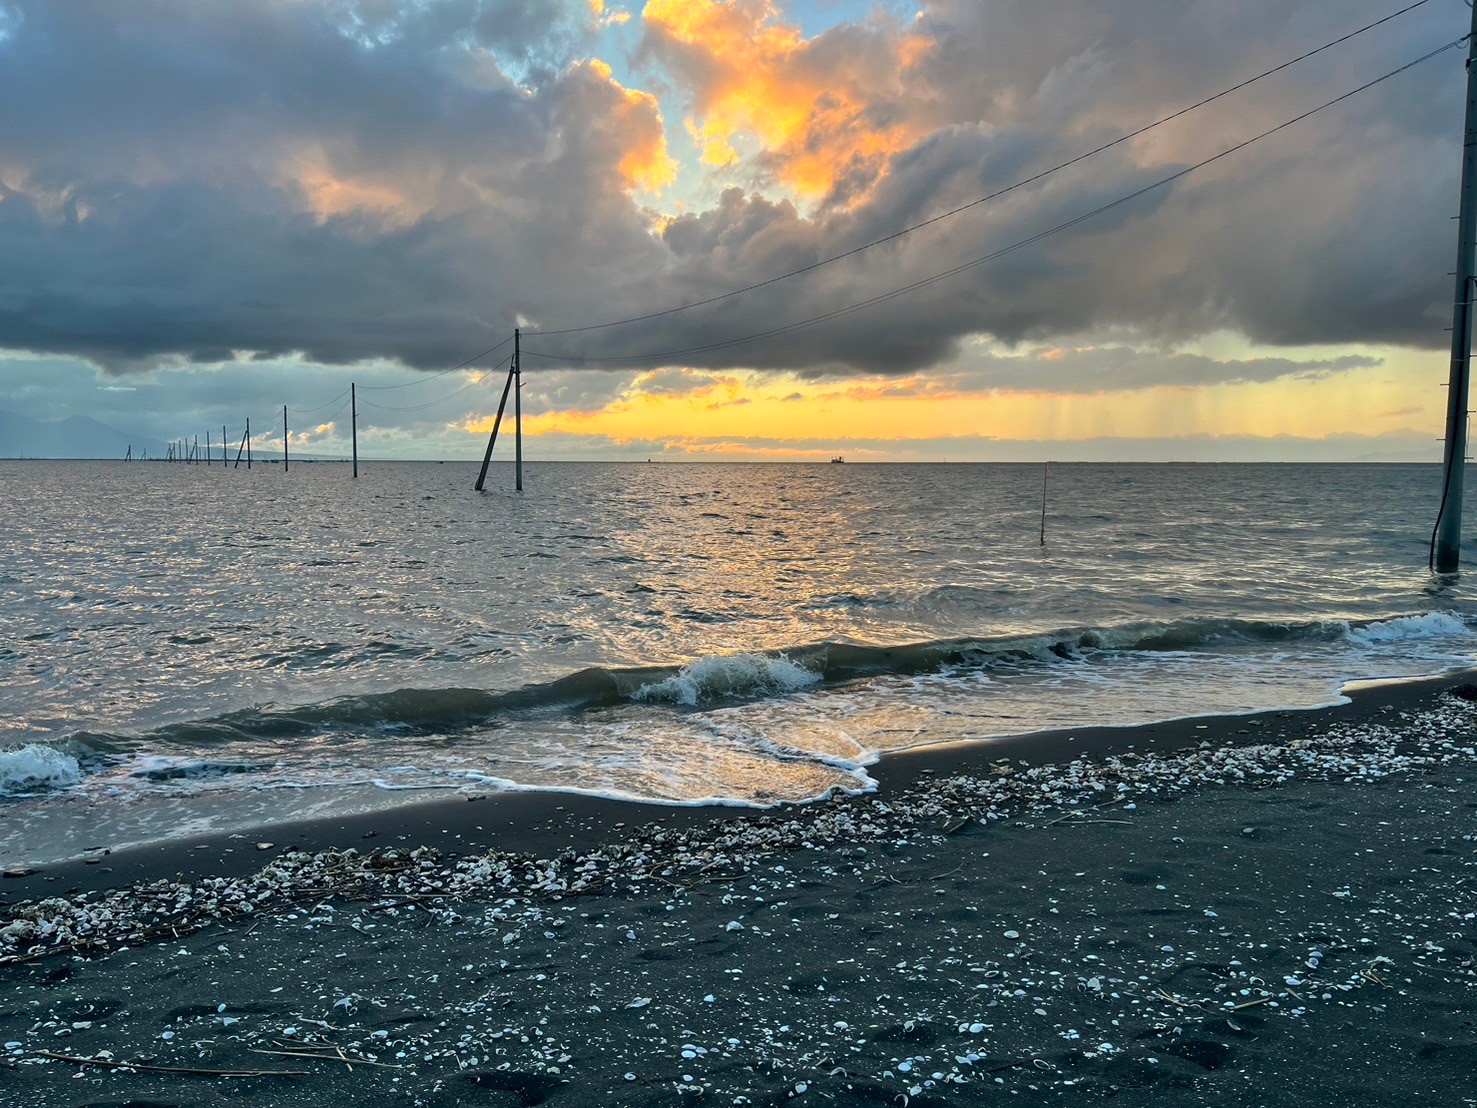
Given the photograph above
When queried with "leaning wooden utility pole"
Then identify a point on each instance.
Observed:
(517, 412)
(496, 423)
(1446, 542)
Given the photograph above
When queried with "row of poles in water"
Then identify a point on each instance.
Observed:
(1445, 551)
(188, 450)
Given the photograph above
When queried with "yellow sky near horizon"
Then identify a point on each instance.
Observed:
(700, 409)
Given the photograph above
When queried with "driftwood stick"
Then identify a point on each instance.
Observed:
(337, 1056)
(108, 1063)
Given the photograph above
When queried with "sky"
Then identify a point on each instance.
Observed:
(210, 209)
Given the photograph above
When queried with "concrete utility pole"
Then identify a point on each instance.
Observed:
(1446, 544)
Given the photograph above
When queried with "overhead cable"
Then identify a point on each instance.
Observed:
(980, 200)
(993, 255)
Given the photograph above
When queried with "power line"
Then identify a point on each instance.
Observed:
(1019, 245)
(428, 404)
(320, 407)
(442, 373)
(403, 385)
(983, 199)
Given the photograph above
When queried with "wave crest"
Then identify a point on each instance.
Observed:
(734, 676)
(34, 768)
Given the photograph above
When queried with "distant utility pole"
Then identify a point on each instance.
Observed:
(354, 424)
(1446, 542)
(517, 411)
(284, 438)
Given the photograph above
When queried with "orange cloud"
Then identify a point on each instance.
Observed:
(607, 17)
(637, 118)
(817, 114)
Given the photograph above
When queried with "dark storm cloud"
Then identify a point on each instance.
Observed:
(1104, 368)
(403, 180)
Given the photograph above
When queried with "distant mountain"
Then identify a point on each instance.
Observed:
(74, 437)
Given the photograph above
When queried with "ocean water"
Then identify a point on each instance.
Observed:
(187, 648)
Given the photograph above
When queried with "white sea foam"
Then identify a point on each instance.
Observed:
(736, 675)
(1427, 625)
(33, 769)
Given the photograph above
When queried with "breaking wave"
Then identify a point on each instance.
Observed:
(740, 675)
(746, 677)
(34, 769)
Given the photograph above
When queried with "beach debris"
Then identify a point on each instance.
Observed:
(401, 879)
(146, 1067)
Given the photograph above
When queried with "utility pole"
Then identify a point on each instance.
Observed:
(496, 423)
(1446, 542)
(224, 458)
(1045, 473)
(517, 412)
(284, 437)
(354, 424)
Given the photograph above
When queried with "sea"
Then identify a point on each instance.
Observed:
(187, 649)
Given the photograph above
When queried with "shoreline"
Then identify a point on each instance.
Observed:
(546, 823)
(1283, 921)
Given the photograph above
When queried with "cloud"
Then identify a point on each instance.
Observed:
(1094, 369)
(820, 109)
(344, 181)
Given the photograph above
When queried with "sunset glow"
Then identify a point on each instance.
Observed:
(714, 414)
(735, 228)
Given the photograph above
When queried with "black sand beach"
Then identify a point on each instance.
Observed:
(1265, 910)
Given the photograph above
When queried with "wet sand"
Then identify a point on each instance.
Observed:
(546, 822)
(1292, 922)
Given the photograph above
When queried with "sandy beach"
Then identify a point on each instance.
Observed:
(1275, 909)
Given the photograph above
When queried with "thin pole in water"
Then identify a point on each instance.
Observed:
(1045, 470)
(284, 437)
(210, 461)
(517, 412)
(354, 423)
(496, 423)
(224, 444)
(248, 443)
(1446, 538)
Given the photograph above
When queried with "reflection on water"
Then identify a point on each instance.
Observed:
(145, 607)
